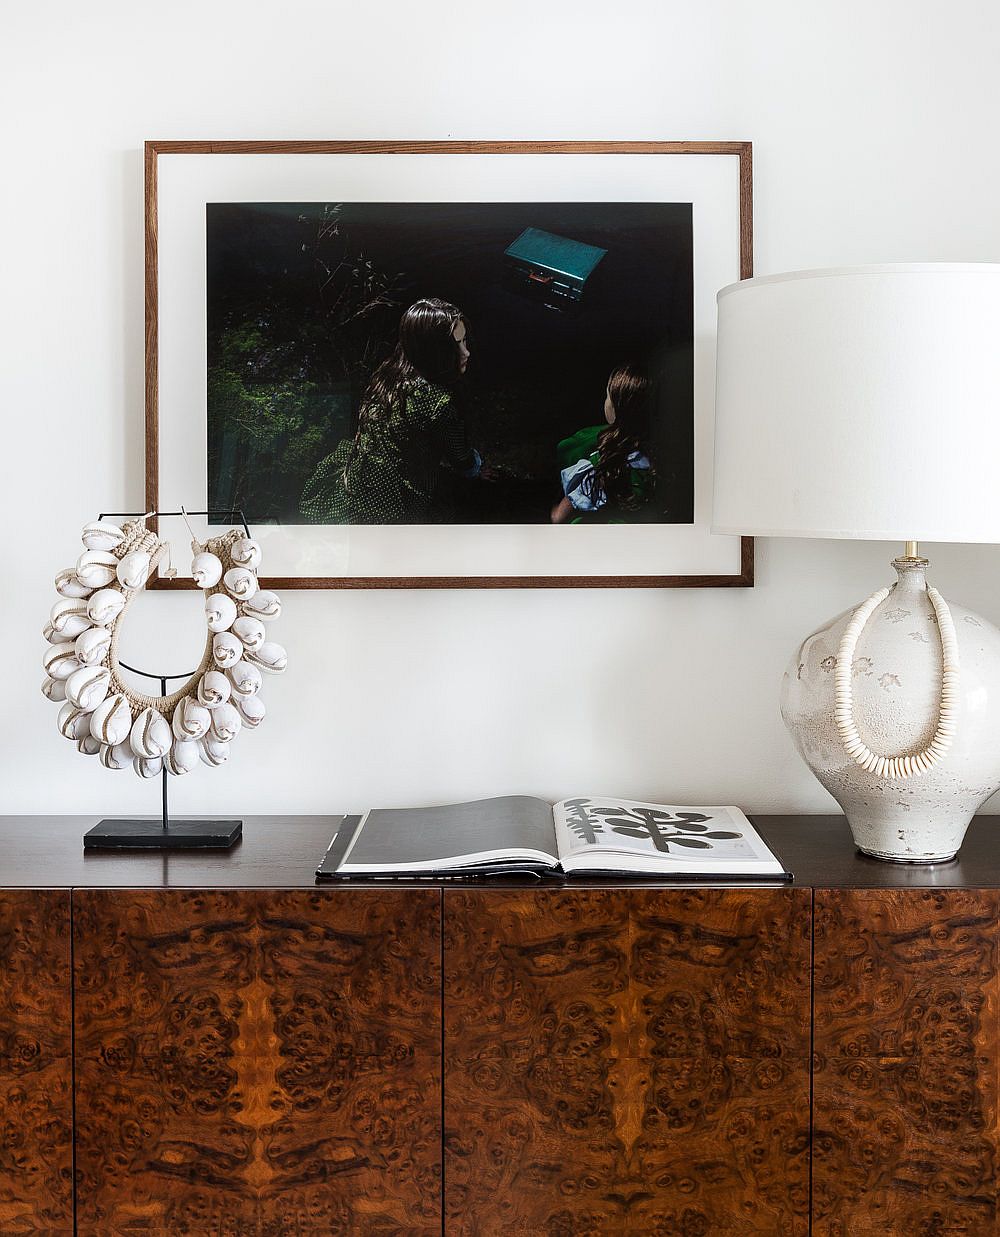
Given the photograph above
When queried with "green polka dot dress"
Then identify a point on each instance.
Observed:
(391, 472)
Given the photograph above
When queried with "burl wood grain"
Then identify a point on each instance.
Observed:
(626, 1062)
(36, 1100)
(905, 1124)
(258, 1062)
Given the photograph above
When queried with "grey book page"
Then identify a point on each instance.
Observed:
(455, 835)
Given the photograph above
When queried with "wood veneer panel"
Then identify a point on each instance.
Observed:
(905, 1121)
(626, 1062)
(258, 1062)
(36, 1068)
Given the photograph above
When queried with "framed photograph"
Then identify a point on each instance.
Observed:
(445, 364)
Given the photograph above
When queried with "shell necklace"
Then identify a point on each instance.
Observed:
(100, 711)
(918, 762)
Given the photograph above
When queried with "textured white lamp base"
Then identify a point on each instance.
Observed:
(896, 680)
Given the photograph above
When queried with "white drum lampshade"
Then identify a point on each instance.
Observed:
(865, 402)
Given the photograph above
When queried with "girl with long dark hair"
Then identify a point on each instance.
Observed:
(411, 430)
(606, 468)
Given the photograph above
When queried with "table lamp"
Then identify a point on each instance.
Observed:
(865, 402)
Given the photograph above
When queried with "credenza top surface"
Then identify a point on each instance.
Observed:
(281, 852)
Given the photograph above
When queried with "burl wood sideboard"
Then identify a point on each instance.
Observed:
(212, 1045)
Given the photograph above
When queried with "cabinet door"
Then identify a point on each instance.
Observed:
(905, 1133)
(36, 1067)
(627, 1062)
(258, 1062)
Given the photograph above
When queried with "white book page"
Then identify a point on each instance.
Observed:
(608, 832)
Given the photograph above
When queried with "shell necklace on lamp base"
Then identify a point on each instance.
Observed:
(895, 708)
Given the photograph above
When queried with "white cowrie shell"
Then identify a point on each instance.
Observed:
(246, 553)
(226, 649)
(214, 689)
(133, 570)
(105, 605)
(240, 582)
(116, 755)
(102, 536)
(88, 686)
(56, 637)
(73, 722)
(87, 745)
(270, 657)
(226, 723)
(60, 661)
(251, 631)
(69, 617)
(191, 719)
(182, 757)
(68, 627)
(263, 605)
(111, 721)
(251, 710)
(212, 751)
(150, 735)
(68, 584)
(148, 766)
(54, 689)
(220, 612)
(96, 568)
(245, 678)
(93, 645)
(206, 570)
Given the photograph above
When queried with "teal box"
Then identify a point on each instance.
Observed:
(554, 268)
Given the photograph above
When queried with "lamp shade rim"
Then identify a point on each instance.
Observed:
(832, 534)
(884, 268)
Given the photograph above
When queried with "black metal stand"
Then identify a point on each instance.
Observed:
(164, 834)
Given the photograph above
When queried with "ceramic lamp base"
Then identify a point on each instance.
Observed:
(896, 676)
(874, 854)
(905, 834)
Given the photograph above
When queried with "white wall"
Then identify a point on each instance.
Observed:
(874, 131)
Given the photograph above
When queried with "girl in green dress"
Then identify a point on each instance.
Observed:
(411, 430)
(606, 468)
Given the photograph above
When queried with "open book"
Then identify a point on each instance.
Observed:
(518, 835)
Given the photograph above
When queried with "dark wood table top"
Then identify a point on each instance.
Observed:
(282, 852)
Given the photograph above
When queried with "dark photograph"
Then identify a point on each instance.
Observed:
(451, 363)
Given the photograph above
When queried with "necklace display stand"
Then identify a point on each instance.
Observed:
(152, 833)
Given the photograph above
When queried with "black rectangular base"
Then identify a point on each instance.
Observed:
(151, 835)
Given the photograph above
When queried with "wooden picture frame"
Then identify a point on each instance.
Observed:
(170, 482)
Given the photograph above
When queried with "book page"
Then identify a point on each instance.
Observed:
(515, 827)
(609, 832)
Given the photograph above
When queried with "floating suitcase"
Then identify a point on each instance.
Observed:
(552, 268)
